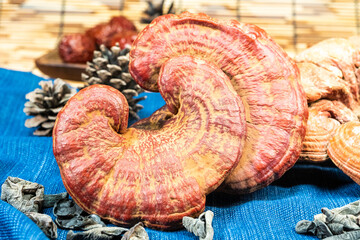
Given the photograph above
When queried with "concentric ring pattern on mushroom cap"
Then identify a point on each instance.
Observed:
(262, 74)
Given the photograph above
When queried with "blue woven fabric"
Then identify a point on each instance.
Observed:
(270, 213)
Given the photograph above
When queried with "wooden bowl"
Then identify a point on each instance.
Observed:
(52, 65)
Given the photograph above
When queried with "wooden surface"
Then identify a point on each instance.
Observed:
(30, 28)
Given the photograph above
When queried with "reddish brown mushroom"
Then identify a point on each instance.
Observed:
(325, 117)
(331, 80)
(329, 69)
(344, 149)
(263, 75)
(156, 176)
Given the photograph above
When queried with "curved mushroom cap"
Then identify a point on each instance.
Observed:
(337, 56)
(325, 117)
(156, 176)
(263, 75)
(344, 149)
(320, 83)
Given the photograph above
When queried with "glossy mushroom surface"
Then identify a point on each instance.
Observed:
(156, 175)
(325, 117)
(331, 80)
(262, 74)
(344, 149)
(329, 70)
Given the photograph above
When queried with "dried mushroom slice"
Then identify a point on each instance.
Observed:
(155, 176)
(320, 83)
(336, 55)
(325, 117)
(263, 75)
(344, 149)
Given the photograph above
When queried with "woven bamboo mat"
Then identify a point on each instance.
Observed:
(30, 28)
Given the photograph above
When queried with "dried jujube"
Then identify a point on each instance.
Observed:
(103, 32)
(263, 75)
(76, 48)
(156, 176)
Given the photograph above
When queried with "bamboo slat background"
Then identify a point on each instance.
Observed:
(30, 28)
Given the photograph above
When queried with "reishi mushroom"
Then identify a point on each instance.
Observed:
(155, 176)
(344, 149)
(235, 114)
(330, 77)
(333, 72)
(325, 117)
(262, 74)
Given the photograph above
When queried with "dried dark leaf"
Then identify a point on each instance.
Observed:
(103, 233)
(338, 223)
(201, 226)
(137, 232)
(51, 199)
(66, 208)
(353, 235)
(24, 195)
(45, 223)
(70, 216)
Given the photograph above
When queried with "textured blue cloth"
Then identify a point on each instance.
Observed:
(270, 213)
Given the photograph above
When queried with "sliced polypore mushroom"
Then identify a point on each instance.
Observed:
(325, 117)
(337, 56)
(344, 149)
(263, 75)
(320, 83)
(157, 175)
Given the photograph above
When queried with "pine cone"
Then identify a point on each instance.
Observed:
(45, 104)
(153, 11)
(111, 67)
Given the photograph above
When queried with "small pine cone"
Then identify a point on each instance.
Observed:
(155, 10)
(111, 67)
(45, 104)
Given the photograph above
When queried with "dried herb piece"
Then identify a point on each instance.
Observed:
(51, 199)
(336, 222)
(44, 222)
(66, 208)
(348, 222)
(201, 226)
(102, 233)
(23, 195)
(155, 10)
(45, 103)
(137, 232)
(70, 216)
(316, 227)
(353, 235)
